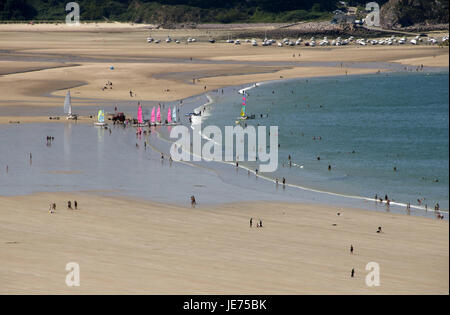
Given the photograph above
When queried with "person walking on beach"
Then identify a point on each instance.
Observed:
(260, 223)
(75, 203)
(353, 273)
(251, 222)
(193, 202)
(351, 249)
(69, 205)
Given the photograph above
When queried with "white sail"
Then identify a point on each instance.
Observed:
(67, 104)
(174, 114)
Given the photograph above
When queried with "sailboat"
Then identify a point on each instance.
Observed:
(172, 117)
(243, 115)
(140, 121)
(153, 119)
(68, 107)
(101, 119)
(175, 120)
(158, 115)
(169, 116)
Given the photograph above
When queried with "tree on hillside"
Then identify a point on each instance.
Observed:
(16, 10)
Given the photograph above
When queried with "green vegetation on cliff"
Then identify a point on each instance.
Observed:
(394, 12)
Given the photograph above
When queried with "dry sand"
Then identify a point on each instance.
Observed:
(125, 246)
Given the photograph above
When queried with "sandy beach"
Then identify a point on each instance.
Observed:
(125, 246)
(38, 65)
(130, 246)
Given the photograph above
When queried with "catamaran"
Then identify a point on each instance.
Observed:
(244, 115)
(153, 119)
(140, 121)
(158, 116)
(101, 119)
(68, 107)
(172, 117)
(175, 116)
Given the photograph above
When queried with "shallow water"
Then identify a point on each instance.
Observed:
(363, 127)
(86, 158)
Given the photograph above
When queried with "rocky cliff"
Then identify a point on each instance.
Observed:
(406, 13)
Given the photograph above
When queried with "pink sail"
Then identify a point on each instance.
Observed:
(139, 115)
(153, 116)
(169, 116)
(158, 114)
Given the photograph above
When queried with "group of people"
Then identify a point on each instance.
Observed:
(50, 140)
(283, 181)
(408, 205)
(107, 86)
(258, 225)
(52, 207)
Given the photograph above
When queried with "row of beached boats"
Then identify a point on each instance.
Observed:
(155, 119)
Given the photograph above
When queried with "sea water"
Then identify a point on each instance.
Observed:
(384, 134)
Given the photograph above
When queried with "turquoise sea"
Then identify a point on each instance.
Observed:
(364, 127)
